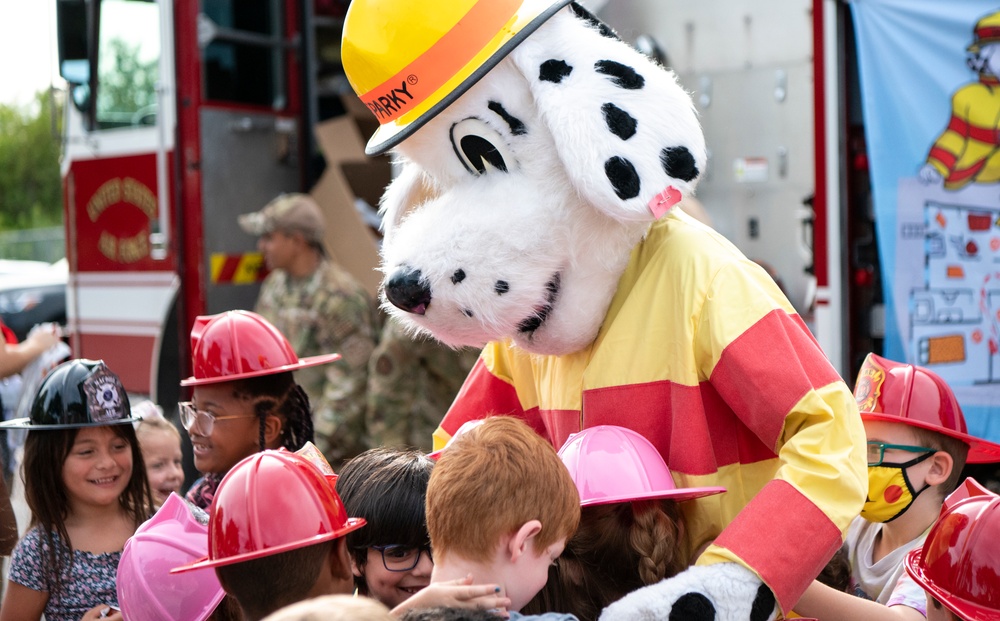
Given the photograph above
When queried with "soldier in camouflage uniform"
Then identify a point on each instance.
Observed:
(411, 383)
(320, 308)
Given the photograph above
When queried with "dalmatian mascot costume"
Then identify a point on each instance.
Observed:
(540, 161)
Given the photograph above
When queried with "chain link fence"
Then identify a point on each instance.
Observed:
(45, 244)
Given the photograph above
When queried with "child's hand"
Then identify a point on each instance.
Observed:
(102, 611)
(459, 593)
(43, 336)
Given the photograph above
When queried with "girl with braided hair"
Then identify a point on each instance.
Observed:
(245, 398)
(631, 529)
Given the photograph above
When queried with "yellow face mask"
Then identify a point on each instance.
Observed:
(890, 492)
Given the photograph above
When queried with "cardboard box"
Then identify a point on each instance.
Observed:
(349, 174)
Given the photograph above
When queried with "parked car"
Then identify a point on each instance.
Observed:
(14, 266)
(32, 292)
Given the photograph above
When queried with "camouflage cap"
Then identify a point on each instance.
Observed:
(287, 212)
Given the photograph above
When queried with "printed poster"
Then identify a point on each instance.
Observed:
(930, 88)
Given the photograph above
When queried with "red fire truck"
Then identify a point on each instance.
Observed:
(186, 113)
(181, 115)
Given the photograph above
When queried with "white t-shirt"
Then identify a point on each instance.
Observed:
(874, 581)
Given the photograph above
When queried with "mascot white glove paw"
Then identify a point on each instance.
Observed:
(720, 592)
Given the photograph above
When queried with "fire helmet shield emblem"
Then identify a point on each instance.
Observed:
(104, 396)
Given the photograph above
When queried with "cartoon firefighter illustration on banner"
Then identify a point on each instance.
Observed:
(955, 311)
(969, 149)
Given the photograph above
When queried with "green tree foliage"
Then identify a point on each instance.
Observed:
(127, 84)
(30, 186)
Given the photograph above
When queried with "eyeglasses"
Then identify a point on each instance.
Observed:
(402, 558)
(191, 416)
(876, 451)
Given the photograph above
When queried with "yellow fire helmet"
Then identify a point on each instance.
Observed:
(986, 31)
(409, 59)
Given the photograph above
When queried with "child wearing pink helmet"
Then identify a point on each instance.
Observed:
(147, 591)
(917, 446)
(631, 524)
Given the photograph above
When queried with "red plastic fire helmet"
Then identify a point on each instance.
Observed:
(959, 563)
(906, 393)
(239, 344)
(272, 502)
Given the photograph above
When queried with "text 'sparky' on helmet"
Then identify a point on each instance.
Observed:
(241, 344)
(959, 562)
(77, 393)
(272, 502)
(409, 59)
(896, 392)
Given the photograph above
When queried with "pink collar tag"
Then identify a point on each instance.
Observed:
(660, 204)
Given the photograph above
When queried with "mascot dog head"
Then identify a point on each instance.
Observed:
(535, 149)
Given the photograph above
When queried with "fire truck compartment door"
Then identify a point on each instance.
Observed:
(248, 158)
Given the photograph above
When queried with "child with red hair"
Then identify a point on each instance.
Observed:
(500, 507)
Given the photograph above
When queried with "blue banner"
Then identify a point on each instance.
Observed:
(931, 103)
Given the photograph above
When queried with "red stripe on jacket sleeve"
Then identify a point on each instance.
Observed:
(958, 125)
(484, 394)
(766, 370)
(965, 173)
(784, 537)
(691, 426)
(946, 158)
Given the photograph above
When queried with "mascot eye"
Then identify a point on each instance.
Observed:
(479, 147)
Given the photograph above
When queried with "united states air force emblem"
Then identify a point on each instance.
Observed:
(105, 393)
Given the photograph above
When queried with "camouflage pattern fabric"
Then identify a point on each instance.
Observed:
(324, 313)
(411, 383)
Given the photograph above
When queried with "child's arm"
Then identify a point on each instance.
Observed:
(13, 358)
(23, 604)
(826, 604)
(459, 593)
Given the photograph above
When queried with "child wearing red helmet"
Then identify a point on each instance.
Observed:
(917, 447)
(276, 534)
(245, 399)
(959, 564)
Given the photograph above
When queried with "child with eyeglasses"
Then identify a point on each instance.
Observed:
(245, 399)
(917, 446)
(391, 555)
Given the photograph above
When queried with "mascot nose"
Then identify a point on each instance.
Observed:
(408, 291)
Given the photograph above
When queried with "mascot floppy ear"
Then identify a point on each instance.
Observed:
(625, 131)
